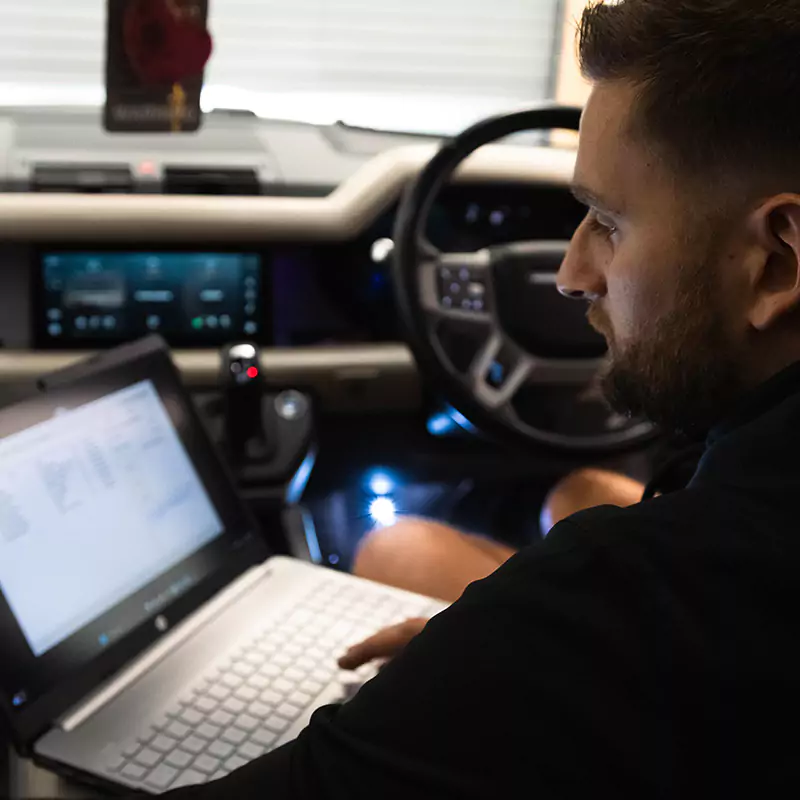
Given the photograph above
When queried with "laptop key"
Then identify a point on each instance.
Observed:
(179, 759)
(282, 685)
(115, 763)
(282, 660)
(219, 691)
(189, 778)
(220, 773)
(246, 723)
(131, 749)
(191, 716)
(242, 669)
(205, 704)
(277, 724)
(220, 717)
(231, 681)
(250, 750)
(234, 706)
(208, 731)
(206, 764)
(294, 674)
(220, 749)
(300, 699)
(264, 737)
(234, 762)
(164, 744)
(259, 710)
(161, 777)
(178, 730)
(271, 697)
(258, 682)
(270, 670)
(289, 711)
(160, 722)
(147, 757)
(311, 687)
(147, 735)
(133, 771)
(246, 693)
(234, 736)
(194, 745)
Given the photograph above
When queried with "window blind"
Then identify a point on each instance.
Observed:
(405, 64)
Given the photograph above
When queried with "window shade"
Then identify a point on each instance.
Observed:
(409, 64)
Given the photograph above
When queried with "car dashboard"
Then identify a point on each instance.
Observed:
(293, 260)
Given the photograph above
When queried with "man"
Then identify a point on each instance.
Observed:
(650, 651)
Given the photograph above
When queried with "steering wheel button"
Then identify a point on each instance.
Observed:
(464, 274)
(477, 305)
(476, 289)
(445, 274)
(455, 288)
(447, 302)
(466, 305)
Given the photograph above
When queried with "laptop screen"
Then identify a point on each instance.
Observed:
(95, 503)
(117, 521)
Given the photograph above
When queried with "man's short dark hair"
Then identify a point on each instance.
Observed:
(718, 80)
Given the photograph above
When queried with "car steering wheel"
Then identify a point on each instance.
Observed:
(505, 297)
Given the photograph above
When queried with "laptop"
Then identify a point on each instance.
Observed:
(150, 639)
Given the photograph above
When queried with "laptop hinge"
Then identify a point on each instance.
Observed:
(134, 671)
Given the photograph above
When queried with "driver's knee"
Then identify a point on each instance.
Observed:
(588, 488)
(426, 557)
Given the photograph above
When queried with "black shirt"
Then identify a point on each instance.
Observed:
(646, 652)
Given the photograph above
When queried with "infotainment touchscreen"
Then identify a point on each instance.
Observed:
(190, 298)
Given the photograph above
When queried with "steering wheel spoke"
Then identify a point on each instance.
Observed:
(457, 286)
(498, 372)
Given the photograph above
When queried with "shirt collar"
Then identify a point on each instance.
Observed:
(759, 442)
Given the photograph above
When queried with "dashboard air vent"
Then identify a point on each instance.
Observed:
(82, 178)
(208, 180)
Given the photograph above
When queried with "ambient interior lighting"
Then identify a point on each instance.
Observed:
(380, 484)
(383, 511)
(447, 422)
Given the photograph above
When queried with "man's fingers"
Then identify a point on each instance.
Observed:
(384, 644)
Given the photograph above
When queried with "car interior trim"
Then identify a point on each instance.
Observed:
(202, 367)
(338, 217)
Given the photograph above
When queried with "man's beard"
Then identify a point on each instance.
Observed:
(682, 373)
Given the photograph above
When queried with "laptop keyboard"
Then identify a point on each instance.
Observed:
(241, 706)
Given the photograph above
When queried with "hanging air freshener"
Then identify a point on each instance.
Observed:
(156, 51)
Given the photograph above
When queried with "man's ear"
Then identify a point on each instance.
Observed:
(776, 277)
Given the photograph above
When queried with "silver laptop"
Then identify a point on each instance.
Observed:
(149, 640)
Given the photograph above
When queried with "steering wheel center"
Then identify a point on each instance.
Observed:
(530, 308)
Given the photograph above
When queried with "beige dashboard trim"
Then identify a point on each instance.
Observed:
(340, 216)
(201, 368)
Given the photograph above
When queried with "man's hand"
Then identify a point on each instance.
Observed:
(385, 644)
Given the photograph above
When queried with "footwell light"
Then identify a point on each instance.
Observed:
(380, 483)
(383, 511)
(449, 421)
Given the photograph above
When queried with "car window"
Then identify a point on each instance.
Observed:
(416, 65)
